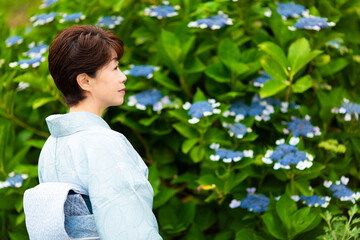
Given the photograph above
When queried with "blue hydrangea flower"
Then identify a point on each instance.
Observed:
(338, 45)
(340, 190)
(286, 155)
(41, 19)
(141, 71)
(213, 22)
(109, 21)
(201, 109)
(36, 51)
(29, 29)
(151, 97)
(74, 17)
(238, 130)
(13, 40)
(253, 203)
(259, 109)
(161, 12)
(25, 63)
(315, 201)
(312, 23)
(302, 127)
(228, 155)
(48, 3)
(13, 180)
(348, 108)
(290, 10)
(259, 81)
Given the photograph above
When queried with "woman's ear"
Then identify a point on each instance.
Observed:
(84, 81)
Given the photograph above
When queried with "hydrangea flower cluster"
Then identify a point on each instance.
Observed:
(312, 23)
(337, 44)
(340, 190)
(201, 109)
(263, 78)
(213, 22)
(141, 71)
(150, 97)
(109, 21)
(36, 51)
(238, 130)
(13, 40)
(47, 3)
(287, 155)
(302, 127)
(161, 12)
(260, 109)
(253, 202)
(42, 19)
(228, 155)
(13, 180)
(313, 201)
(25, 63)
(35, 54)
(74, 17)
(22, 86)
(348, 108)
(291, 10)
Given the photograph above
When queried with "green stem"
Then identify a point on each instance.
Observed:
(149, 158)
(24, 125)
(185, 87)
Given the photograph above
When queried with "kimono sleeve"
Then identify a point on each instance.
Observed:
(120, 193)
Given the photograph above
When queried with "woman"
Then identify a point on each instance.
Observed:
(82, 149)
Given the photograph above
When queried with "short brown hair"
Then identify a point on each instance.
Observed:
(80, 49)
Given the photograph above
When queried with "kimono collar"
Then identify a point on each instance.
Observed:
(61, 125)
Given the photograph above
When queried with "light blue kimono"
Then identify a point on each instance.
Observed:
(83, 150)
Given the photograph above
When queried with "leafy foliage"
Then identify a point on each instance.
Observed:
(194, 90)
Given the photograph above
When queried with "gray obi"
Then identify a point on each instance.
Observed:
(59, 211)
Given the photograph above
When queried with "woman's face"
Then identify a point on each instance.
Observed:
(108, 87)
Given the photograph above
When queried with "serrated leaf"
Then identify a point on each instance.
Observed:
(298, 49)
(272, 87)
(194, 65)
(228, 52)
(302, 84)
(275, 52)
(303, 60)
(218, 72)
(273, 68)
(199, 96)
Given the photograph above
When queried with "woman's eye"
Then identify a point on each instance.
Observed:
(116, 68)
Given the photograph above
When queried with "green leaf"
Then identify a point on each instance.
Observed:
(273, 68)
(302, 84)
(154, 178)
(42, 101)
(272, 87)
(148, 121)
(164, 195)
(218, 72)
(185, 130)
(166, 81)
(228, 52)
(199, 96)
(333, 66)
(305, 59)
(205, 217)
(273, 225)
(296, 50)
(197, 153)
(179, 114)
(302, 219)
(188, 145)
(285, 208)
(275, 52)
(194, 65)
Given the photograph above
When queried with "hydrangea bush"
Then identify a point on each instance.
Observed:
(222, 98)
